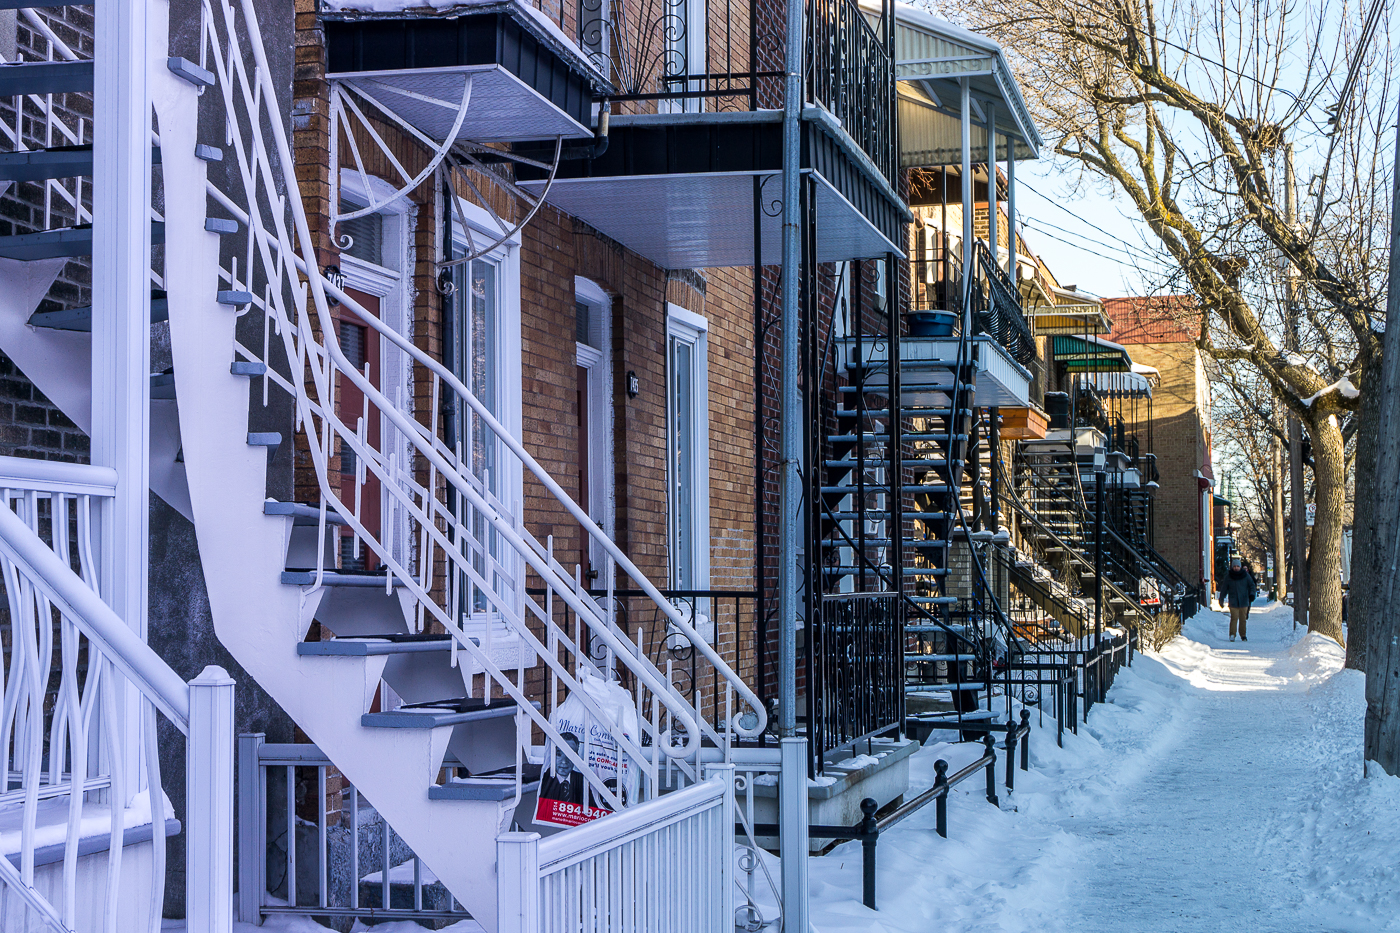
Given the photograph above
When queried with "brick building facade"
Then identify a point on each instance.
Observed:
(1158, 332)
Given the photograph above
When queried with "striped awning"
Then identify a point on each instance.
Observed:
(1083, 356)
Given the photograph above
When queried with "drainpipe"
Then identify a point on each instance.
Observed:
(792, 792)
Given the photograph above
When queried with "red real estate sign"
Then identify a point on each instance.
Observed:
(563, 813)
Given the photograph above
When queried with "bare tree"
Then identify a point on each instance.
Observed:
(1188, 109)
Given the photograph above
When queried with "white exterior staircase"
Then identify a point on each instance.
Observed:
(476, 689)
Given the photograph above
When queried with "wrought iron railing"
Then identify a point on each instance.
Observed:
(857, 668)
(850, 72)
(998, 310)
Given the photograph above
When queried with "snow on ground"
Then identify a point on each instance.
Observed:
(1220, 788)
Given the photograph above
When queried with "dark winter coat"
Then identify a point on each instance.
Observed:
(1238, 588)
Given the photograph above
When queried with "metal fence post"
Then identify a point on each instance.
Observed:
(518, 883)
(251, 825)
(940, 780)
(1026, 740)
(209, 804)
(869, 835)
(990, 744)
(725, 774)
(1010, 755)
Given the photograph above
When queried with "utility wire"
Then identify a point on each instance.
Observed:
(1124, 260)
(1368, 30)
(1125, 245)
(1115, 259)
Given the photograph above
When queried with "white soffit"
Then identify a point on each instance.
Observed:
(501, 104)
(704, 221)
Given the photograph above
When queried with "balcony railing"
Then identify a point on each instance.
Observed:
(850, 72)
(651, 51)
(997, 309)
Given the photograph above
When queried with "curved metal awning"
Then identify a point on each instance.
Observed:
(932, 56)
(1090, 355)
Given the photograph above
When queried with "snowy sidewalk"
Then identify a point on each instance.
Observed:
(1219, 789)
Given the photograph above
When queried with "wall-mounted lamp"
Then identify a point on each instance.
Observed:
(634, 384)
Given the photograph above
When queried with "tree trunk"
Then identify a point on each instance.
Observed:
(1365, 549)
(1325, 555)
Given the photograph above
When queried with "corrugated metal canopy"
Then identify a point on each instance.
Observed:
(1081, 355)
(932, 56)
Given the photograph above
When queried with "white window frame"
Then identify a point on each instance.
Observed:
(506, 258)
(689, 327)
(390, 284)
(602, 500)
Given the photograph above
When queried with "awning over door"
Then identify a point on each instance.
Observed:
(1090, 355)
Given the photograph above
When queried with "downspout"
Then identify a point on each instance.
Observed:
(792, 796)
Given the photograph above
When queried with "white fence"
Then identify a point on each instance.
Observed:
(666, 864)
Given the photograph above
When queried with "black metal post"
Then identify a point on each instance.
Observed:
(1098, 580)
(990, 744)
(869, 835)
(1010, 756)
(1026, 740)
(940, 809)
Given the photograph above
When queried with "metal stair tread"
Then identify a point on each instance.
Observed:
(364, 646)
(79, 320)
(443, 713)
(53, 162)
(59, 242)
(336, 578)
(479, 788)
(20, 78)
(303, 514)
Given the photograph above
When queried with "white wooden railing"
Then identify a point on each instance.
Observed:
(78, 731)
(467, 553)
(667, 864)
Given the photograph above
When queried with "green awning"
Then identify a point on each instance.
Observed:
(1090, 356)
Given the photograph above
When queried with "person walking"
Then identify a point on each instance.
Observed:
(1237, 590)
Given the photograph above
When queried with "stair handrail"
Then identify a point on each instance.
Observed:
(117, 641)
(309, 350)
(1009, 496)
(324, 360)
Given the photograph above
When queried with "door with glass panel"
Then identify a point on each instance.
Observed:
(476, 361)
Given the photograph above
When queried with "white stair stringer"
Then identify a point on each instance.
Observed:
(59, 363)
(256, 617)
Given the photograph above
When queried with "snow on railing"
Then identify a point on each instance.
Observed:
(664, 864)
(467, 552)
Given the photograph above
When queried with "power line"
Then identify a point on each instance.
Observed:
(1041, 225)
(1088, 223)
(1126, 246)
(1115, 259)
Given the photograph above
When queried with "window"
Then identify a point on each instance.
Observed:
(485, 356)
(688, 449)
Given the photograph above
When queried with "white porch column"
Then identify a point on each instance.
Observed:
(1011, 211)
(965, 183)
(992, 206)
(121, 340)
(209, 804)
